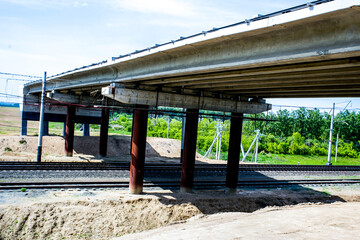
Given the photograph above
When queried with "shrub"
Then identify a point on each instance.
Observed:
(7, 149)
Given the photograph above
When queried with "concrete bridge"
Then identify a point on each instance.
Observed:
(312, 50)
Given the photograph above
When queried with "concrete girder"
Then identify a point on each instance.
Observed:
(327, 82)
(293, 89)
(259, 79)
(260, 72)
(151, 98)
(314, 94)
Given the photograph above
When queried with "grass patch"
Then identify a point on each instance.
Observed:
(7, 149)
(271, 158)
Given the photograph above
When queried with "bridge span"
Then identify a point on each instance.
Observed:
(311, 50)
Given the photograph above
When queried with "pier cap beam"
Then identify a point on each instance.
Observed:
(153, 98)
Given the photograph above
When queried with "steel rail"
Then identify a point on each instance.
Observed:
(25, 166)
(171, 184)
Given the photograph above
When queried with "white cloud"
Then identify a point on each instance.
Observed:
(80, 4)
(167, 7)
(48, 3)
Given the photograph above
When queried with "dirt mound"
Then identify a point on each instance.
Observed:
(106, 214)
(24, 148)
(334, 221)
(85, 219)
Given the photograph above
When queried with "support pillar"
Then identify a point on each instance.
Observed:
(189, 152)
(104, 129)
(69, 131)
(46, 128)
(232, 170)
(86, 130)
(138, 147)
(23, 130)
(64, 129)
(182, 138)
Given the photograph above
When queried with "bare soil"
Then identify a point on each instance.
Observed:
(304, 221)
(203, 215)
(86, 149)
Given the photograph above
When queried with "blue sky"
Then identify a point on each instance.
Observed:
(55, 36)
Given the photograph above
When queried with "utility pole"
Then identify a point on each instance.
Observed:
(330, 137)
(337, 144)
(41, 125)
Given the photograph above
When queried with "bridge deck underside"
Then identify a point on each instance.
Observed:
(330, 78)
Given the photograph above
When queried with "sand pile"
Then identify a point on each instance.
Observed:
(117, 145)
(87, 219)
(24, 148)
(92, 215)
(305, 221)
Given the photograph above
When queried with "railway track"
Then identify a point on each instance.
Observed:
(24, 166)
(172, 184)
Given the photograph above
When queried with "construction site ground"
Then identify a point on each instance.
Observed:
(321, 212)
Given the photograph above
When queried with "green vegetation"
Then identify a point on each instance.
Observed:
(297, 136)
(271, 158)
(7, 149)
(23, 189)
(300, 135)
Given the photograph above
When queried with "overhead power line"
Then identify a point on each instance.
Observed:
(10, 95)
(19, 75)
(16, 79)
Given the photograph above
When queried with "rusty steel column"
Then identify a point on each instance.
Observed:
(104, 129)
(232, 170)
(138, 147)
(69, 131)
(189, 152)
(46, 128)
(86, 130)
